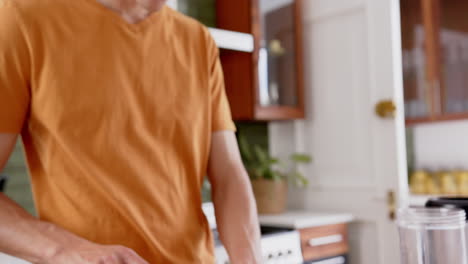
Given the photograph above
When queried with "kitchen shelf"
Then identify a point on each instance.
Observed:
(446, 117)
(226, 39)
(232, 40)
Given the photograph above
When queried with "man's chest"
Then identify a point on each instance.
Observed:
(107, 78)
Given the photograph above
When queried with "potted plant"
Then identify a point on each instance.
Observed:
(270, 176)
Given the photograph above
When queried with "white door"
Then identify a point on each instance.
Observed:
(352, 61)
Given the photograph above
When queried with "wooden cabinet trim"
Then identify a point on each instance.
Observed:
(431, 13)
(441, 118)
(299, 58)
(278, 113)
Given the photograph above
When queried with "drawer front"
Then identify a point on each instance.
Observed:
(325, 241)
(332, 260)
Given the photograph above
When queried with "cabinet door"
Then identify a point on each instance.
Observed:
(278, 53)
(280, 64)
(453, 39)
(416, 81)
(435, 59)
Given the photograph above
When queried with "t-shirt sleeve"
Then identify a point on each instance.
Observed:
(14, 70)
(221, 118)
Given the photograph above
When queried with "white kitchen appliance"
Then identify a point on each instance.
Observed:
(279, 245)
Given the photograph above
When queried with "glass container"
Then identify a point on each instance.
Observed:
(432, 236)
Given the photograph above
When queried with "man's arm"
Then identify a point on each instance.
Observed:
(39, 242)
(236, 212)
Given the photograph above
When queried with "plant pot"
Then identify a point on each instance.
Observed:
(271, 195)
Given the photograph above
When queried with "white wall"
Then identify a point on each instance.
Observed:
(440, 146)
(172, 3)
(269, 5)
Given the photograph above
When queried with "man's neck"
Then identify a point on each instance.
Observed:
(133, 11)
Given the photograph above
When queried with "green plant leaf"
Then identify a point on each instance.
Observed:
(298, 179)
(244, 148)
(260, 165)
(301, 158)
(281, 165)
(269, 175)
(273, 161)
(262, 155)
(280, 176)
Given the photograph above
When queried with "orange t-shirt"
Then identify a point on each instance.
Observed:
(116, 119)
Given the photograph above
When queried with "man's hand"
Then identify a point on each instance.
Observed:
(91, 253)
(39, 242)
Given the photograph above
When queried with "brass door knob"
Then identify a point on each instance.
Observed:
(385, 109)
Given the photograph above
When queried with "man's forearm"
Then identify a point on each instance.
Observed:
(24, 236)
(237, 218)
(39, 242)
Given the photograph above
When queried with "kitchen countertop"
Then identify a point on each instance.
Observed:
(304, 219)
(5, 259)
(291, 219)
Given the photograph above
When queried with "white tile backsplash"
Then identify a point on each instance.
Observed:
(441, 146)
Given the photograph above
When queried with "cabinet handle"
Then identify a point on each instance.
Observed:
(337, 260)
(327, 240)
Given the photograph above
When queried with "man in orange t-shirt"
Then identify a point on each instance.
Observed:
(122, 111)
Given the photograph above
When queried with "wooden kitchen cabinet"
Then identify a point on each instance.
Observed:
(266, 84)
(323, 236)
(435, 59)
(324, 241)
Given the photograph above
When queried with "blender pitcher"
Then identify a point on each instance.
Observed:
(432, 236)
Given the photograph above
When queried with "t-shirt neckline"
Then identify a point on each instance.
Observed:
(105, 11)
